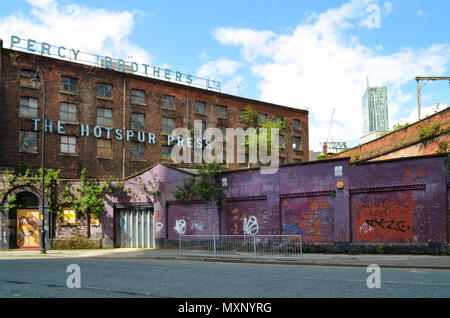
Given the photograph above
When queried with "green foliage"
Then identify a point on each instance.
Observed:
(429, 131)
(249, 117)
(263, 130)
(355, 157)
(399, 126)
(443, 146)
(75, 242)
(380, 250)
(323, 156)
(203, 186)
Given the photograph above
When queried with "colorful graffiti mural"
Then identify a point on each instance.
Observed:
(383, 216)
(309, 216)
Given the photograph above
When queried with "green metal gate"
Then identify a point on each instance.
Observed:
(134, 228)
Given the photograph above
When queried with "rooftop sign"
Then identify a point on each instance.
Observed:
(107, 62)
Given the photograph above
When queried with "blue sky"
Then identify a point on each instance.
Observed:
(304, 54)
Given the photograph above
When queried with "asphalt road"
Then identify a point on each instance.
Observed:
(34, 277)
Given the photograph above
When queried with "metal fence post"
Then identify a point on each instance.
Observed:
(301, 248)
(214, 238)
(179, 244)
(254, 244)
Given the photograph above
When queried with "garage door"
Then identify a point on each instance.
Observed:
(135, 228)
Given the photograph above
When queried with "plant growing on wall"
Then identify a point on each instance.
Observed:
(249, 117)
(203, 186)
(89, 202)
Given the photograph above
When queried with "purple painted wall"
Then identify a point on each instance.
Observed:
(396, 201)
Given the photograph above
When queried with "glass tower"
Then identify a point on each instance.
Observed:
(375, 110)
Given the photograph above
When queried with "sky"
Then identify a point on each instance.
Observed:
(313, 55)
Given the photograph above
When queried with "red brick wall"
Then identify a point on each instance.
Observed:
(403, 143)
(87, 103)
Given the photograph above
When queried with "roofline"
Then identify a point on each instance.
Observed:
(167, 83)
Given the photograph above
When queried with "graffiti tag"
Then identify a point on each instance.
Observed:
(399, 225)
(365, 228)
(197, 226)
(251, 226)
(158, 226)
(291, 229)
(180, 226)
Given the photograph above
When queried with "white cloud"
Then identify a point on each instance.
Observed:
(90, 30)
(321, 66)
(235, 85)
(218, 69)
(421, 13)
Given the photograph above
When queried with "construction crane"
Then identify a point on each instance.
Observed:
(337, 146)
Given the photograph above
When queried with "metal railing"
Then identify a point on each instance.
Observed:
(241, 246)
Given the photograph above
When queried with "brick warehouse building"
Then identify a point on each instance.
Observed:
(80, 94)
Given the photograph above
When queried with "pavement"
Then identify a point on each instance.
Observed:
(361, 260)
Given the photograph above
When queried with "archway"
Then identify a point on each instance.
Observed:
(20, 224)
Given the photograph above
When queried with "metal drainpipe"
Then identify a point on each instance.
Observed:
(123, 140)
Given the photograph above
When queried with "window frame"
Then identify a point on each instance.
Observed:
(138, 150)
(70, 84)
(29, 134)
(27, 106)
(168, 101)
(138, 121)
(199, 103)
(299, 124)
(104, 142)
(165, 125)
(225, 108)
(294, 143)
(68, 144)
(67, 112)
(103, 117)
(104, 86)
(141, 100)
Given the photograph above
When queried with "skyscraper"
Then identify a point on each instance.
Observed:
(375, 110)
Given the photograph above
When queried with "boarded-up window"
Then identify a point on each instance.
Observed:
(104, 148)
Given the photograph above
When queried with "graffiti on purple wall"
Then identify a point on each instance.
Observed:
(386, 216)
(309, 216)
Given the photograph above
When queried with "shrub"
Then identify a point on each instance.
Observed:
(75, 243)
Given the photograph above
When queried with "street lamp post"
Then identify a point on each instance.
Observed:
(36, 83)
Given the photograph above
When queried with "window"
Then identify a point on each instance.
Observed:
(241, 112)
(297, 160)
(28, 141)
(167, 153)
(104, 117)
(68, 144)
(296, 144)
(168, 124)
(137, 96)
(68, 112)
(69, 84)
(137, 150)
(278, 119)
(200, 108)
(203, 127)
(104, 90)
(281, 141)
(223, 129)
(28, 106)
(221, 111)
(104, 148)
(262, 117)
(295, 124)
(25, 77)
(137, 121)
(168, 101)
